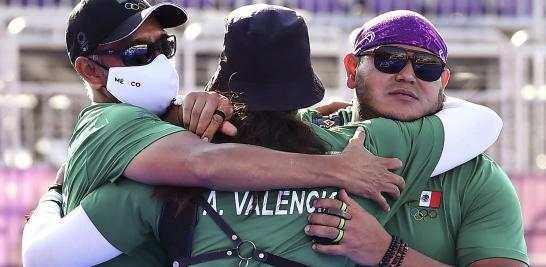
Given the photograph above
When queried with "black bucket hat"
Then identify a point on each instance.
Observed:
(266, 60)
(96, 22)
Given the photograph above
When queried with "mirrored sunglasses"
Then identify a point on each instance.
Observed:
(392, 59)
(142, 54)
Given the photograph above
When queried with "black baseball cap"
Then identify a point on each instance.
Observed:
(96, 22)
(266, 60)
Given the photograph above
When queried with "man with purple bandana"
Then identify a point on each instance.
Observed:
(469, 216)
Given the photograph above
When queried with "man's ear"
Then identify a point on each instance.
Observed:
(445, 79)
(91, 72)
(351, 63)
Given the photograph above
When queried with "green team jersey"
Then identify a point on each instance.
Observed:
(471, 212)
(106, 138)
(276, 224)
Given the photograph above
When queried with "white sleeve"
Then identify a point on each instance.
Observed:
(72, 241)
(469, 129)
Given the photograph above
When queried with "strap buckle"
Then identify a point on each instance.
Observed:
(248, 257)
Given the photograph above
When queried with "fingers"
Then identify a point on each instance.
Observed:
(359, 136)
(219, 122)
(321, 231)
(327, 203)
(332, 107)
(324, 219)
(213, 127)
(59, 178)
(328, 249)
(381, 201)
(206, 116)
(195, 114)
(224, 105)
(393, 190)
(343, 196)
(394, 179)
(187, 108)
(392, 164)
(228, 129)
(199, 116)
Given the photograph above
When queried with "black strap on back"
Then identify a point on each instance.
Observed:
(176, 228)
(177, 236)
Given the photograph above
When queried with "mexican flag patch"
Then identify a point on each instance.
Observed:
(430, 199)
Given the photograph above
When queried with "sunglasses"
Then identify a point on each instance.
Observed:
(142, 54)
(392, 59)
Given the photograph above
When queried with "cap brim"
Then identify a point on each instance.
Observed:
(169, 15)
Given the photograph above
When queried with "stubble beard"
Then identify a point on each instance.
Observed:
(367, 111)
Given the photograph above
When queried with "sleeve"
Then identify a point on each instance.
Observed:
(476, 126)
(125, 213)
(125, 130)
(46, 231)
(417, 144)
(105, 142)
(492, 225)
(463, 122)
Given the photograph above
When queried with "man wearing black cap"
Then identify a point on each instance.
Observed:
(266, 59)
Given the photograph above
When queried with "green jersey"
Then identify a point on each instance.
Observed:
(106, 138)
(275, 221)
(469, 213)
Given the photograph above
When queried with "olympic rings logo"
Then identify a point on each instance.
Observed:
(135, 7)
(423, 214)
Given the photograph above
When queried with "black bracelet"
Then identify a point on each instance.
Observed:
(57, 187)
(400, 254)
(391, 251)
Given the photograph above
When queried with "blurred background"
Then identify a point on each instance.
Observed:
(497, 57)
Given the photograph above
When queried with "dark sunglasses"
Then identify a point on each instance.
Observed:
(143, 54)
(392, 59)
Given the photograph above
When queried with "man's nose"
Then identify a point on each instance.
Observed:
(406, 74)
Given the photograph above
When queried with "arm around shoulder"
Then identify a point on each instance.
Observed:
(185, 160)
(469, 129)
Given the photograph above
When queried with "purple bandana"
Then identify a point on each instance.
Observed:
(401, 27)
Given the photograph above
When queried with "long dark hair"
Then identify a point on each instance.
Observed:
(279, 130)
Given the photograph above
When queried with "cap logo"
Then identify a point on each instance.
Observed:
(82, 41)
(369, 37)
(136, 7)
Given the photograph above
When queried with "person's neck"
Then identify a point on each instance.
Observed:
(359, 115)
(103, 97)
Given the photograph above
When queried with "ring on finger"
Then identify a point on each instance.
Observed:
(335, 212)
(341, 224)
(339, 236)
(220, 113)
(343, 206)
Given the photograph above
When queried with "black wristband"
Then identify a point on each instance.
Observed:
(57, 187)
(400, 254)
(391, 252)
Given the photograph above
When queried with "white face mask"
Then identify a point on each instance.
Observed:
(152, 86)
